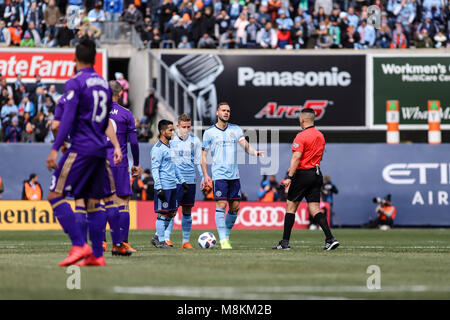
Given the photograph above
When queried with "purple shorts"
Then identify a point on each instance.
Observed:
(110, 182)
(121, 177)
(80, 175)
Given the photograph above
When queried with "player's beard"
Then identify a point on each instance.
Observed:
(223, 120)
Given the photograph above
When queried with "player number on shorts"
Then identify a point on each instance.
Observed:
(100, 98)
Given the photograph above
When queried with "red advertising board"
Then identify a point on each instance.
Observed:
(252, 215)
(54, 65)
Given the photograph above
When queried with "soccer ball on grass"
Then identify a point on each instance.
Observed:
(207, 240)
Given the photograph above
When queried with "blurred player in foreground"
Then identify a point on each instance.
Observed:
(166, 175)
(118, 216)
(223, 138)
(304, 180)
(187, 150)
(81, 169)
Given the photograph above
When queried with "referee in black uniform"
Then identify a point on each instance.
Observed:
(304, 180)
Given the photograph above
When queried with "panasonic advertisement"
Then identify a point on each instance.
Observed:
(266, 90)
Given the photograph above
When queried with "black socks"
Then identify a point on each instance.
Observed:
(321, 220)
(289, 220)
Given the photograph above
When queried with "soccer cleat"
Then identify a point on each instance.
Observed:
(76, 253)
(126, 244)
(121, 251)
(155, 241)
(225, 244)
(163, 245)
(331, 244)
(91, 260)
(187, 245)
(105, 246)
(282, 245)
(169, 243)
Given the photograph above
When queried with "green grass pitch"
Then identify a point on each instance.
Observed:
(413, 264)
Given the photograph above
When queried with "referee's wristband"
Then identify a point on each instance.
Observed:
(289, 177)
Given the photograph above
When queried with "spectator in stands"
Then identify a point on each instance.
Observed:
(284, 20)
(267, 37)
(156, 38)
(35, 35)
(406, 13)
(251, 31)
(20, 93)
(234, 10)
(40, 126)
(125, 86)
(222, 23)
(272, 8)
(262, 15)
(51, 17)
(284, 38)
(28, 135)
(91, 31)
(240, 25)
(398, 38)
(35, 16)
(206, 42)
(16, 33)
(351, 38)
(138, 189)
(352, 17)
(440, 39)
(324, 38)
(39, 100)
(143, 130)
(5, 35)
(13, 11)
(167, 10)
(113, 10)
(228, 39)
(384, 37)
(27, 105)
(366, 35)
(184, 44)
(3, 84)
(423, 40)
(297, 33)
(27, 40)
(9, 110)
(32, 189)
(147, 32)
(53, 93)
(327, 6)
(198, 27)
(149, 184)
(151, 107)
(97, 15)
(13, 132)
(210, 22)
(335, 33)
(428, 24)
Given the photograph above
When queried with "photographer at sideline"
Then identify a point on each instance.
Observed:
(386, 213)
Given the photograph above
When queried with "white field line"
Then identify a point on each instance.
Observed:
(227, 293)
(267, 293)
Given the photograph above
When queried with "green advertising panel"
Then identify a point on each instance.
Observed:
(412, 81)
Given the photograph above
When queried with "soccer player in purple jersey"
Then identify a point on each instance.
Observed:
(125, 129)
(81, 169)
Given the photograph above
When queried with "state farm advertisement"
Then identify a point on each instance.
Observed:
(53, 65)
(270, 90)
(252, 215)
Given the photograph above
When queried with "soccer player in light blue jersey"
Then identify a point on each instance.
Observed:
(187, 150)
(166, 175)
(223, 138)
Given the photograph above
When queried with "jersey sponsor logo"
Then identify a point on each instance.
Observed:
(274, 111)
(295, 145)
(70, 95)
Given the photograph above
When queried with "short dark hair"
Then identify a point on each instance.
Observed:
(85, 51)
(308, 110)
(222, 104)
(32, 176)
(163, 124)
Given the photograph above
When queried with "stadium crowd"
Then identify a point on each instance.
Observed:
(230, 23)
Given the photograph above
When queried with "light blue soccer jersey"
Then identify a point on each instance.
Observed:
(187, 155)
(165, 172)
(223, 145)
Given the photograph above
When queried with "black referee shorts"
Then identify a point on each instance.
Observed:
(305, 184)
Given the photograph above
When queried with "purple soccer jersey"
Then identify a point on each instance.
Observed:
(85, 116)
(125, 128)
(86, 113)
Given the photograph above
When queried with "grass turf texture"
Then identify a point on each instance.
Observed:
(413, 262)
